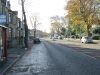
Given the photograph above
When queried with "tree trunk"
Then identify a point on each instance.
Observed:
(88, 31)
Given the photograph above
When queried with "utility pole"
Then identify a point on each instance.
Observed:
(35, 29)
(25, 24)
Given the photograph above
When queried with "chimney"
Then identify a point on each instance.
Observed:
(8, 4)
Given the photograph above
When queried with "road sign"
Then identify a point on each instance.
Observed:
(3, 19)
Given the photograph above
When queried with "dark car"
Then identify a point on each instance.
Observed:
(36, 41)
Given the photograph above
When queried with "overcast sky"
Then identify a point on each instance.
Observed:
(43, 8)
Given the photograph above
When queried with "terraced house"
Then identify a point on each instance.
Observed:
(10, 29)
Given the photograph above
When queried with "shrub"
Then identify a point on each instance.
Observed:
(96, 37)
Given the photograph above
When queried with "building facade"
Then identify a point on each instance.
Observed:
(10, 29)
(38, 33)
(3, 31)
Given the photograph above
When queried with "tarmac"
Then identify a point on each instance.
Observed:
(91, 49)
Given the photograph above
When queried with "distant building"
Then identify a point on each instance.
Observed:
(39, 33)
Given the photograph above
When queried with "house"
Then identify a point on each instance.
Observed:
(3, 31)
(11, 29)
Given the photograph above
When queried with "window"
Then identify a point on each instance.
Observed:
(4, 1)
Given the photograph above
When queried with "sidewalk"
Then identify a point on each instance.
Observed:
(14, 54)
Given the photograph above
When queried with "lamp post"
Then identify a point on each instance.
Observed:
(25, 24)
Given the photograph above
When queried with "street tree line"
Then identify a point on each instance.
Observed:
(81, 16)
(58, 26)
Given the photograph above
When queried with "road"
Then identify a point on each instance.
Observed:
(92, 49)
(54, 59)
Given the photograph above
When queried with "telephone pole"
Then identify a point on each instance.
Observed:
(35, 29)
(25, 24)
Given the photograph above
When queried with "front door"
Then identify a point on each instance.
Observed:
(1, 44)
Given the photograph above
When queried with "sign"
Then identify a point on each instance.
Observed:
(2, 19)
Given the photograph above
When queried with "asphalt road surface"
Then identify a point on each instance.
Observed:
(54, 59)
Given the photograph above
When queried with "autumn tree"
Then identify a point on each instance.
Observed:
(83, 13)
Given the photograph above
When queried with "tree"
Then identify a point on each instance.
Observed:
(34, 19)
(55, 24)
(25, 24)
(56, 27)
(63, 31)
(83, 13)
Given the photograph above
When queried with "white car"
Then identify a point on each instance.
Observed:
(86, 39)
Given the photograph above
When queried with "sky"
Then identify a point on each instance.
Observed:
(44, 9)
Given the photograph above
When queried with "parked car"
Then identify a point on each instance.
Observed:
(36, 41)
(86, 39)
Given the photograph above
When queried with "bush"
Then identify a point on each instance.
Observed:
(96, 37)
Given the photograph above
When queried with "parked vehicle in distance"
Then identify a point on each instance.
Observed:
(36, 41)
(86, 39)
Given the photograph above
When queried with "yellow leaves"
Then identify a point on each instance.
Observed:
(96, 20)
(83, 12)
(73, 6)
(77, 22)
(93, 19)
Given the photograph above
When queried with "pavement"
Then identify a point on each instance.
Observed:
(14, 54)
(49, 58)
